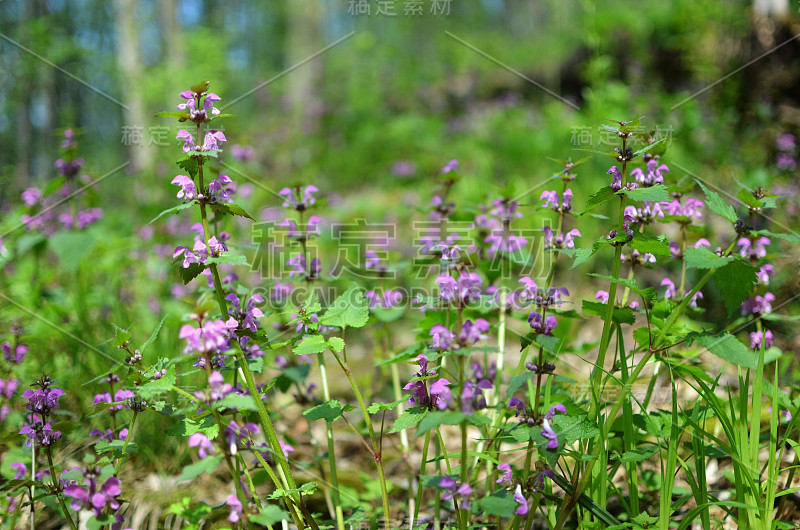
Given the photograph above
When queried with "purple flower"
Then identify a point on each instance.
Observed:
(785, 142)
(521, 500)
(472, 332)
(546, 328)
(212, 140)
(442, 337)
(237, 510)
(8, 388)
(507, 475)
(765, 272)
(538, 483)
(516, 403)
(219, 388)
(298, 197)
(31, 196)
(440, 393)
(220, 189)
(786, 161)
(452, 165)
(235, 435)
(209, 337)
(90, 497)
(550, 434)
(562, 240)
(43, 401)
(552, 412)
(616, 183)
(759, 305)
(472, 395)
(187, 187)
(42, 434)
(602, 296)
(755, 249)
(550, 199)
(447, 286)
(188, 140)
(759, 337)
(242, 153)
(453, 491)
(203, 444)
(653, 176)
(20, 470)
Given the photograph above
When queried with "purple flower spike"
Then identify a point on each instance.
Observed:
(550, 434)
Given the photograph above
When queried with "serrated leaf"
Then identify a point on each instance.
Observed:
(170, 211)
(409, 418)
(190, 273)
(718, 204)
(157, 386)
(702, 258)
(189, 164)
(440, 417)
(656, 245)
(649, 147)
(598, 198)
(375, 408)
(186, 427)
(120, 336)
(655, 193)
(348, 310)
(226, 258)
(237, 401)
(328, 411)
(735, 283)
(153, 335)
(574, 428)
(622, 315)
(725, 346)
(336, 344)
(310, 344)
(206, 465)
(516, 383)
(231, 209)
(636, 455)
(794, 237)
(582, 255)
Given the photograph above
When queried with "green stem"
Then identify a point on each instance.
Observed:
(125, 445)
(337, 503)
(56, 488)
(422, 466)
(376, 450)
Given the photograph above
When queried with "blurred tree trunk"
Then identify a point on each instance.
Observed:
(171, 31)
(304, 38)
(130, 66)
(771, 8)
(26, 79)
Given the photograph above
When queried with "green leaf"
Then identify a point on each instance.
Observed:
(190, 273)
(718, 204)
(406, 355)
(336, 344)
(187, 427)
(310, 344)
(96, 522)
(735, 283)
(636, 455)
(381, 407)
(158, 386)
(226, 258)
(649, 147)
(120, 336)
(409, 418)
(270, 513)
(189, 164)
(600, 197)
(328, 411)
(656, 193)
(582, 255)
(72, 248)
(153, 335)
(206, 465)
(656, 245)
(516, 383)
(746, 196)
(727, 347)
(622, 315)
(440, 417)
(702, 258)
(170, 211)
(231, 209)
(237, 401)
(500, 503)
(306, 489)
(793, 237)
(348, 310)
(649, 293)
(182, 115)
(574, 428)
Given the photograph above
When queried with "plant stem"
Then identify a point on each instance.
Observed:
(375, 448)
(125, 445)
(57, 488)
(422, 466)
(337, 503)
